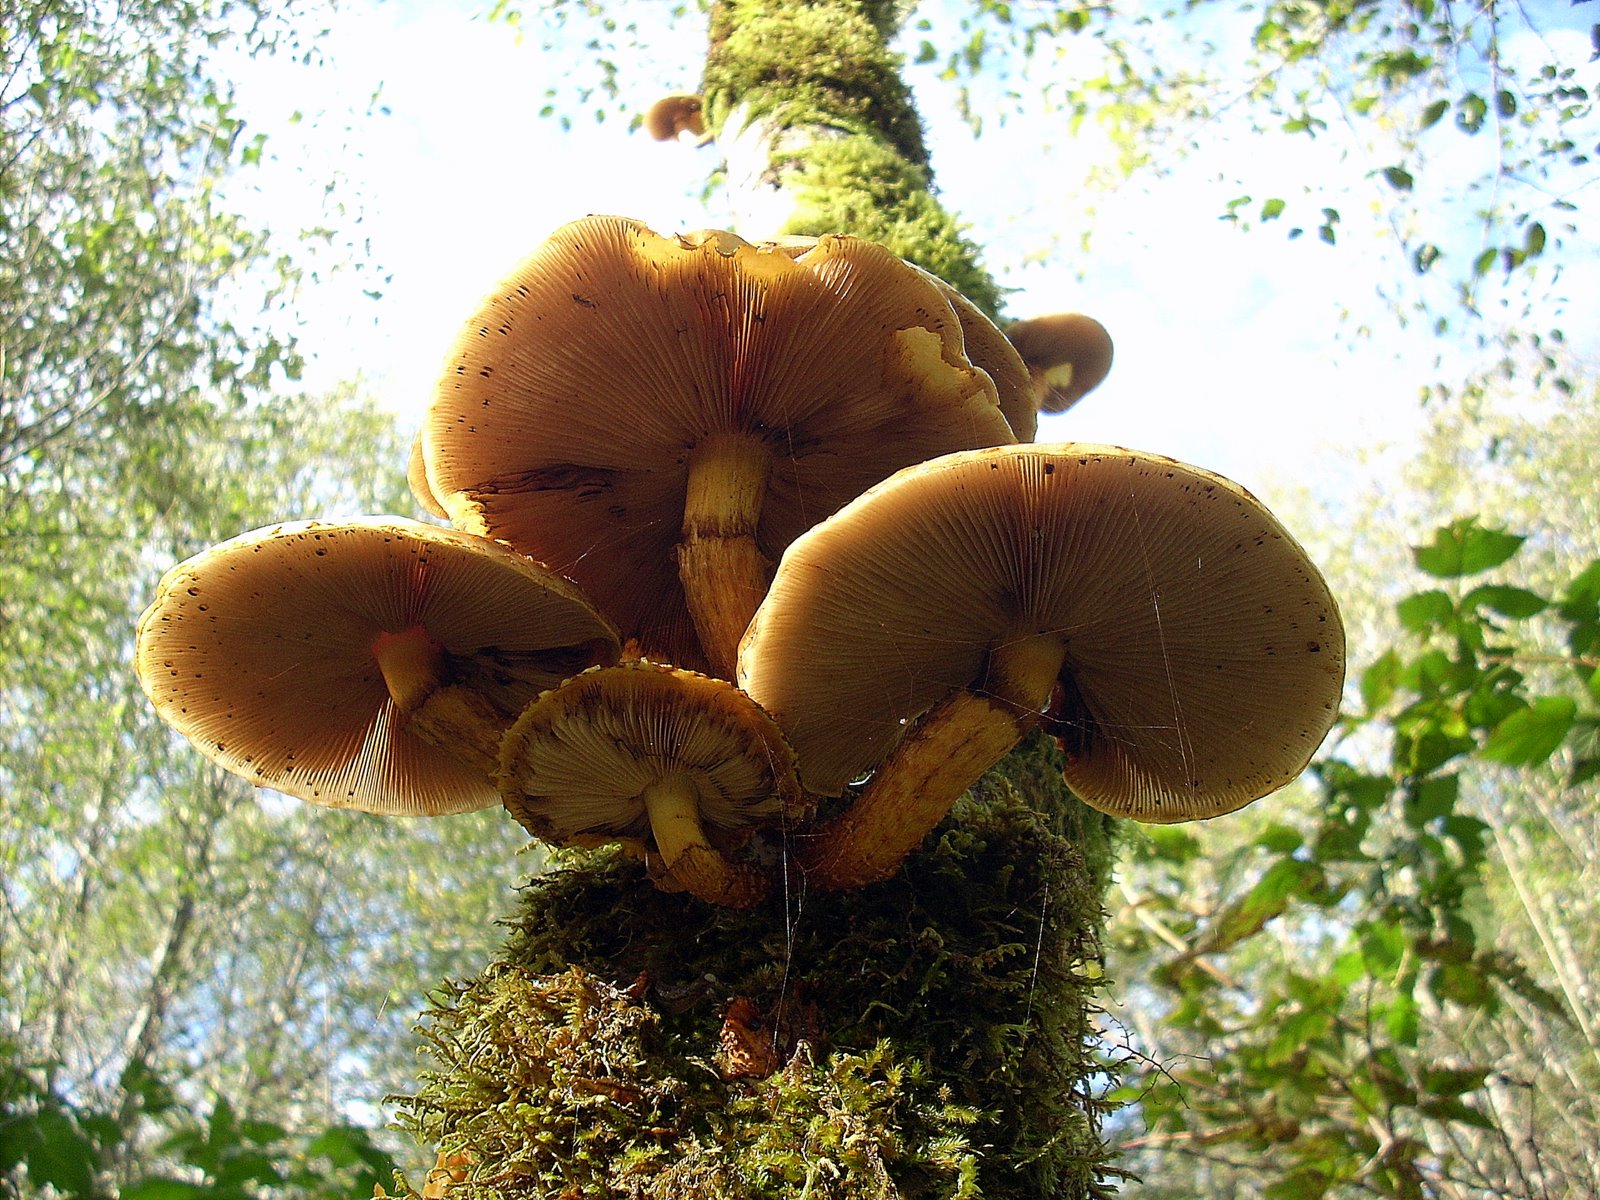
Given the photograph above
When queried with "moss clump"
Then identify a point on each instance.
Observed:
(559, 1086)
(822, 62)
(960, 991)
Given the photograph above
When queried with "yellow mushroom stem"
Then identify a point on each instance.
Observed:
(673, 804)
(457, 721)
(950, 747)
(723, 572)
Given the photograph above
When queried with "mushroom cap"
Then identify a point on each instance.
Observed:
(984, 343)
(574, 398)
(994, 353)
(1068, 353)
(673, 115)
(576, 763)
(259, 651)
(417, 477)
(1204, 653)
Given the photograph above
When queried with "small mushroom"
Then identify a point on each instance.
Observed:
(369, 664)
(643, 750)
(1068, 355)
(921, 631)
(659, 417)
(670, 117)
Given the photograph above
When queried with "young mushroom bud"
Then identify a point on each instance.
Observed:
(1068, 355)
(673, 116)
(921, 632)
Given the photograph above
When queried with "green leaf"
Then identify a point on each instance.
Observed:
(1432, 797)
(1455, 1110)
(1453, 1081)
(1465, 548)
(55, 1150)
(1464, 984)
(163, 1189)
(1506, 600)
(1424, 256)
(1398, 178)
(1532, 734)
(1471, 110)
(1285, 880)
(1271, 210)
(1380, 680)
(1424, 611)
(1281, 839)
(1432, 114)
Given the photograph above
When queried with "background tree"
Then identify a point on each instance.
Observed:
(166, 936)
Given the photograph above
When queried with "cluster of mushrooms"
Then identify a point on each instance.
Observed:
(673, 463)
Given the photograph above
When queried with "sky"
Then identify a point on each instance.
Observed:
(1267, 360)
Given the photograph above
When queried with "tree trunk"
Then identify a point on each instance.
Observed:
(929, 1036)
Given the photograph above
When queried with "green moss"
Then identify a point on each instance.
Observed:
(858, 185)
(825, 65)
(821, 62)
(935, 1027)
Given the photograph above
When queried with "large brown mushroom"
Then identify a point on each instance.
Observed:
(369, 664)
(1195, 652)
(646, 751)
(659, 417)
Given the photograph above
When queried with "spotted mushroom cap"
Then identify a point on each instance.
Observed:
(576, 763)
(576, 395)
(1204, 654)
(259, 651)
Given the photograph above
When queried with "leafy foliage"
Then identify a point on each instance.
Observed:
(50, 1146)
(157, 921)
(1323, 1077)
(1478, 119)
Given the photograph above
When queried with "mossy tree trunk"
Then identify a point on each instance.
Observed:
(925, 1037)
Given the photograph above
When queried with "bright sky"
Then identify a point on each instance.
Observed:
(1231, 351)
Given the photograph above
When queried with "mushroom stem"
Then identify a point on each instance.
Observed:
(458, 721)
(673, 804)
(949, 749)
(723, 572)
(411, 662)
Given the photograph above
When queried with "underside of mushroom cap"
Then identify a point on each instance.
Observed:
(576, 761)
(578, 395)
(260, 651)
(1204, 655)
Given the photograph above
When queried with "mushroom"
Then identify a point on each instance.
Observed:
(672, 116)
(921, 631)
(417, 477)
(658, 417)
(369, 664)
(638, 749)
(1068, 355)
